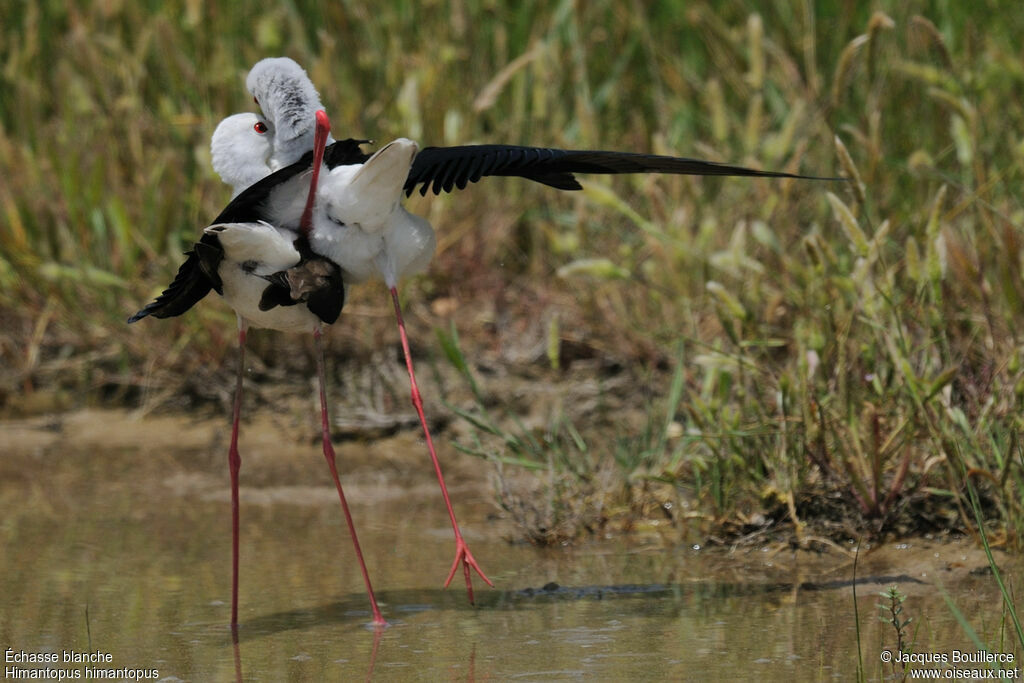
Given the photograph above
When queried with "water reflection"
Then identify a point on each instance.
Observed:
(237, 651)
(128, 552)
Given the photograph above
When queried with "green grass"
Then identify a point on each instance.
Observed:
(802, 344)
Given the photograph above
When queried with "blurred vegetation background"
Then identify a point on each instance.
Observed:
(845, 354)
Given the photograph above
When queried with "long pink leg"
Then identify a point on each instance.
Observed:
(323, 127)
(234, 465)
(462, 553)
(329, 455)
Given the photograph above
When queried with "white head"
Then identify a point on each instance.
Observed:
(288, 99)
(241, 148)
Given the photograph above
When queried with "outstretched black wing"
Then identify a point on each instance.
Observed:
(441, 169)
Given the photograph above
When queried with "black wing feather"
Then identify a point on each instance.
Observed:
(342, 153)
(472, 172)
(276, 294)
(326, 303)
(442, 168)
(491, 161)
(448, 178)
(192, 282)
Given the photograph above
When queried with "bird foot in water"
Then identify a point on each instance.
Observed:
(464, 557)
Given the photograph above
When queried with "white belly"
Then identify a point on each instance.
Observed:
(242, 291)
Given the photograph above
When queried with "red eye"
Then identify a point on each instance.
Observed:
(260, 127)
(255, 100)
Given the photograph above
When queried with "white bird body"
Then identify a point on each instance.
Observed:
(252, 253)
(360, 223)
(358, 220)
(241, 148)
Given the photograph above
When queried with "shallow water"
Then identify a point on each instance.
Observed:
(116, 537)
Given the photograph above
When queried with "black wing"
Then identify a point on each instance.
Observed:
(441, 169)
(195, 278)
(341, 153)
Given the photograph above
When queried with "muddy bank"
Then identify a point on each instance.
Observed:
(179, 458)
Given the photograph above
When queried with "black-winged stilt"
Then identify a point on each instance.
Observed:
(393, 243)
(271, 278)
(397, 242)
(360, 223)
